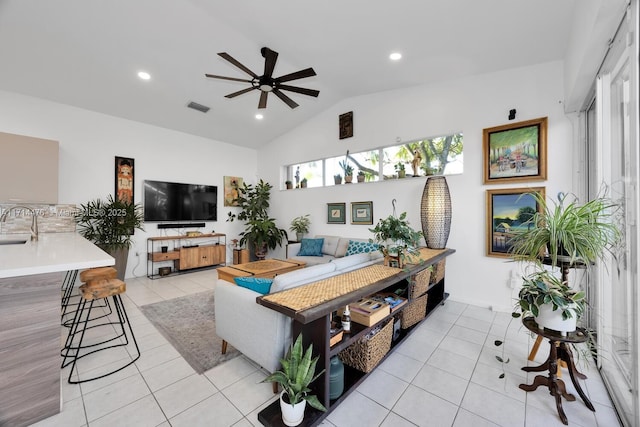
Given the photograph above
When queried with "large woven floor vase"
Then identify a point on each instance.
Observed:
(435, 212)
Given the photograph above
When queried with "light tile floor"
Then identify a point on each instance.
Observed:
(444, 374)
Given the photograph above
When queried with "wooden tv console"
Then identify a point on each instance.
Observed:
(314, 323)
(184, 253)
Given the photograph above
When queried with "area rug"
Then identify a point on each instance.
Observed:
(188, 323)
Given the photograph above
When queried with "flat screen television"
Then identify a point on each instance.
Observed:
(174, 201)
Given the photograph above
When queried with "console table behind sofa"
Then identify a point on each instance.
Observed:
(313, 320)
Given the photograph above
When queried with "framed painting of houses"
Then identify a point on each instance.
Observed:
(509, 212)
(515, 152)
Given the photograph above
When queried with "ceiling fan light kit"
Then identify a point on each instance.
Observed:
(266, 83)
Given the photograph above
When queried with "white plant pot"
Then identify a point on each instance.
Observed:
(552, 319)
(292, 415)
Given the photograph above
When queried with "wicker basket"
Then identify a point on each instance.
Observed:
(420, 284)
(365, 354)
(415, 311)
(438, 272)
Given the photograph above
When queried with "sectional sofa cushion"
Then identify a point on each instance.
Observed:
(304, 275)
(257, 284)
(349, 261)
(311, 247)
(357, 247)
(330, 244)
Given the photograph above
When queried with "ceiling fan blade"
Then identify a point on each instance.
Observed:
(263, 99)
(308, 72)
(270, 57)
(231, 59)
(290, 102)
(302, 90)
(240, 92)
(228, 78)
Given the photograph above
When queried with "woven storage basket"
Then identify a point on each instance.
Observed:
(415, 311)
(438, 272)
(365, 354)
(420, 284)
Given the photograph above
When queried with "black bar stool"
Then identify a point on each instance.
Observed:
(75, 348)
(69, 308)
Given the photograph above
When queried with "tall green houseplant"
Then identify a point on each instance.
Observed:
(567, 232)
(110, 225)
(260, 230)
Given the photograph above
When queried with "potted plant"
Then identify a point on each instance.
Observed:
(348, 171)
(301, 226)
(337, 179)
(303, 183)
(552, 302)
(110, 225)
(399, 167)
(288, 184)
(261, 230)
(298, 371)
(567, 232)
(361, 176)
(396, 238)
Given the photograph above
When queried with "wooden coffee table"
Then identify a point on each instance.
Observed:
(268, 268)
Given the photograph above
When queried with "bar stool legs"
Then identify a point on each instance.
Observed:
(76, 348)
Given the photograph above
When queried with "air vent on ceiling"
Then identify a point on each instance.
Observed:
(199, 107)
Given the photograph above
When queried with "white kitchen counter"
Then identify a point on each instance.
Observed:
(52, 252)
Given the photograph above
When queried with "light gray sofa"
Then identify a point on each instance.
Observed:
(333, 247)
(262, 334)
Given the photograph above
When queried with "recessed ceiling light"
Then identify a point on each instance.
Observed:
(395, 56)
(144, 75)
(259, 116)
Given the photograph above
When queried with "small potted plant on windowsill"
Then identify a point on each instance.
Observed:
(288, 184)
(348, 171)
(337, 179)
(400, 170)
(361, 176)
(303, 183)
(301, 226)
(298, 372)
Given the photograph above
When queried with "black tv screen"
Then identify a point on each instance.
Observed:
(174, 201)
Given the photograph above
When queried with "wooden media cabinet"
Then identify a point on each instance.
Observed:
(184, 253)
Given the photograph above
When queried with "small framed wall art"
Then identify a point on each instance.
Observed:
(362, 213)
(336, 213)
(124, 179)
(231, 186)
(345, 125)
(515, 152)
(508, 211)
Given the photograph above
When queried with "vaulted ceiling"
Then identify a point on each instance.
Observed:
(87, 53)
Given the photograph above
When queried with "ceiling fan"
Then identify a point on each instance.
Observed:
(267, 83)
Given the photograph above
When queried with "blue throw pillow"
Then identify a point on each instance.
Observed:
(311, 247)
(257, 284)
(360, 247)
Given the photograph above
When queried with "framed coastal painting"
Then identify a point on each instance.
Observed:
(508, 213)
(336, 213)
(362, 213)
(515, 152)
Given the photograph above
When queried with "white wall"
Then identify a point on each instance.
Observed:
(467, 105)
(89, 141)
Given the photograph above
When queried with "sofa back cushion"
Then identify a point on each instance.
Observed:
(350, 261)
(330, 244)
(301, 276)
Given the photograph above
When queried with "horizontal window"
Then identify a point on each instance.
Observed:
(442, 155)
